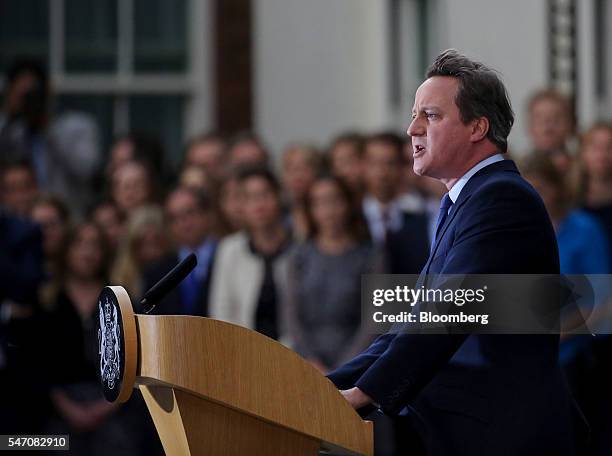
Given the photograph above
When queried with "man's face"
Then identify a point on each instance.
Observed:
(440, 140)
(130, 186)
(53, 228)
(247, 153)
(208, 155)
(549, 125)
(260, 203)
(189, 223)
(383, 170)
(19, 190)
(347, 163)
(298, 173)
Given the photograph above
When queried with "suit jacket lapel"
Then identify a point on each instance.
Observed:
(470, 187)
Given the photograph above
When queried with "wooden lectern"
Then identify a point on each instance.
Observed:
(214, 388)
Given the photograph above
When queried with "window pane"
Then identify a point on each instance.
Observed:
(24, 31)
(100, 107)
(162, 117)
(91, 35)
(160, 36)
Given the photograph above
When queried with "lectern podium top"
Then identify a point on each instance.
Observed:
(226, 365)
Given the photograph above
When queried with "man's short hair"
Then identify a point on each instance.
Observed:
(261, 172)
(356, 139)
(481, 93)
(246, 136)
(389, 138)
(208, 137)
(17, 164)
(201, 198)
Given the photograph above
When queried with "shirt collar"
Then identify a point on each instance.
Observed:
(379, 220)
(454, 192)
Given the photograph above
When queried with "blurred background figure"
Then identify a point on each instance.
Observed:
(246, 149)
(595, 157)
(18, 187)
(78, 404)
(346, 160)
(112, 221)
(63, 149)
(136, 146)
(596, 174)
(551, 126)
(583, 243)
(324, 299)
(583, 249)
(250, 271)
(230, 204)
(301, 164)
(23, 404)
(78, 408)
(403, 235)
(190, 217)
(196, 178)
(53, 217)
(132, 186)
(145, 243)
(207, 152)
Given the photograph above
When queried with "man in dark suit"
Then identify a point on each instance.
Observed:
(397, 222)
(189, 215)
(22, 392)
(468, 394)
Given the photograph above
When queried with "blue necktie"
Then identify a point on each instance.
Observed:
(445, 205)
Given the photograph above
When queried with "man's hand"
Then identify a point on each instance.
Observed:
(356, 397)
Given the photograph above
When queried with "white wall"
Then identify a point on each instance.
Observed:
(321, 65)
(511, 37)
(319, 68)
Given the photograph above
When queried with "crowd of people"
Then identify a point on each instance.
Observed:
(281, 246)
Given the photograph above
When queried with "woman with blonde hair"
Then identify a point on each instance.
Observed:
(145, 243)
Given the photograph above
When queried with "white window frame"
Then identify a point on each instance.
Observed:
(194, 84)
(411, 48)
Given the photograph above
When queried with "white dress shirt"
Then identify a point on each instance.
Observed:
(454, 192)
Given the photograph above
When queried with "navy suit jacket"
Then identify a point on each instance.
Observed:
(478, 394)
(407, 249)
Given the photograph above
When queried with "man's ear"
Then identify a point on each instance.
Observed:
(480, 128)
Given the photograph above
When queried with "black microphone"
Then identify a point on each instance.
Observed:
(168, 283)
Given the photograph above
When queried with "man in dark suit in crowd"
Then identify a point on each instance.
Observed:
(189, 215)
(468, 394)
(401, 231)
(22, 394)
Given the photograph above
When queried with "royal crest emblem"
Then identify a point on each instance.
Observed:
(109, 343)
